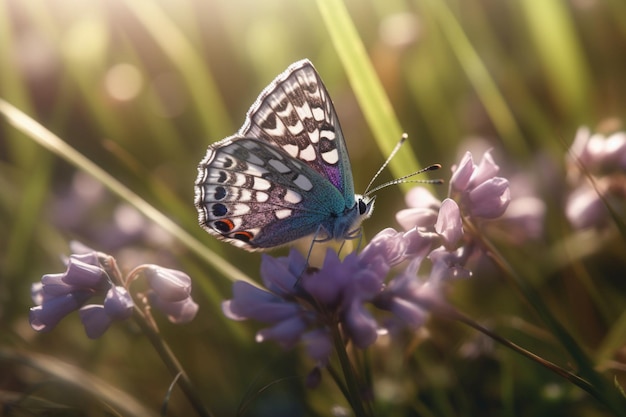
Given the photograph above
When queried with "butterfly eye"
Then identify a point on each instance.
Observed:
(362, 207)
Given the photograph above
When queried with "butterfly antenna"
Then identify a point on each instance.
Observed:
(391, 155)
(405, 179)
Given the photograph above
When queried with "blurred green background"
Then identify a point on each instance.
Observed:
(142, 87)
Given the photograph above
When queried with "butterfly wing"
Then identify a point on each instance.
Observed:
(254, 195)
(296, 114)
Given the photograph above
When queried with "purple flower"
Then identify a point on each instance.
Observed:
(409, 297)
(79, 276)
(386, 249)
(449, 224)
(402, 299)
(523, 219)
(584, 208)
(177, 312)
(94, 274)
(286, 332)
(57, 295)
(280, 305)
(304, 305)
(360, 324)
(423, 209)
(95, 320)
(449, 264)
(319, 344)
(477, 189)
(252, 302)
(604, 159)
(170, 292)
(168, 284)
(118, 305)
(280, 275)
(429, 220)
(289, 317)
(598, 153)
(46, 316)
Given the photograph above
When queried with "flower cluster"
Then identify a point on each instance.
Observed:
(307, 305)
(94, 274)
(603, 161)
(475, 192)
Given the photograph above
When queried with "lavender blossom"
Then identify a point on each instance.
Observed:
(94, 274)
(449, 224)
(603, 160)
(598, 153)
(57, 295)
(118, 305)
(477, 189)
(405, 296)
(584, 208)
(423, 209)
(305, 307)
(170, 292)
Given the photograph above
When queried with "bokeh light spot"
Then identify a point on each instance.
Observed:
(123, 82)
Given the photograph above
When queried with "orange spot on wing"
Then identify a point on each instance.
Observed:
(243, 236)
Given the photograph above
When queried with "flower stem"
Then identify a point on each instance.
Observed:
(172, 363)
(594, 384)
(149, 328)
(354, 389)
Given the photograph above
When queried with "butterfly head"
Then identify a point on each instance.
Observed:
(365, 206)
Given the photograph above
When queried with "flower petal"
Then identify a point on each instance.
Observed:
(53, 285)
(484, 171)
(408, 311)
(449, 224)
(177, 312)
(360, 325)
(277, 275)
(584, 208)
(319, 345)
(118, 303)
(462, 173)
(490, 199)
(416, 217)
(420, 197)
(251, 302)
(388, 247)
(86, 276)
(95, 320)
(45, 317)
(286, 332)
(327, 285)
(169, 284)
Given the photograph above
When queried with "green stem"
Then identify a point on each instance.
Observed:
(172, 363)
(150, 330)
(354, 389)
(453, 314)
(596, 384)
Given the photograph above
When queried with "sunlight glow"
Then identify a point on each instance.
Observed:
(123, 82)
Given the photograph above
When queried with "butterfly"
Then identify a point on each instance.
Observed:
(285, 174)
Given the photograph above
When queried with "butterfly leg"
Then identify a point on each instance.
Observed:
(316, 239)
(354, 234)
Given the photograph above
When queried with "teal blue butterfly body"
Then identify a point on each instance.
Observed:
(285, 174)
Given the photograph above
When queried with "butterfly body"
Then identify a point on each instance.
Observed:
(286, 173)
